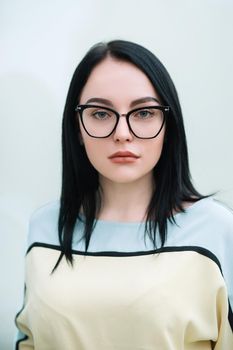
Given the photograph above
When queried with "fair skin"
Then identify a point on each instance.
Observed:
(126, 186)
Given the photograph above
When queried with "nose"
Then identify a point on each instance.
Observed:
(122, 132)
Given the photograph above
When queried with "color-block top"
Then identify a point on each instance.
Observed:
(123, 294)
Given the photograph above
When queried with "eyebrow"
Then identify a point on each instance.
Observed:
(132, 104)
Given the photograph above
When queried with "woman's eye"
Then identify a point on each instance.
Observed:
(143, 114)
(101, 115)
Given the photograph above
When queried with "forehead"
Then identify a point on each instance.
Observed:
(117, 80)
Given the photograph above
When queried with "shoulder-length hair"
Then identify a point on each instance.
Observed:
(80, 179)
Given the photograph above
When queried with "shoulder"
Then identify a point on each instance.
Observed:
(208, 224)
(218, 217)
(43, 225)
(218, 210)
(213, 221)
(217, 236)
(209, 215)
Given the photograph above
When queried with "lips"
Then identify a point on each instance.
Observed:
(124, 154)
(124, 157)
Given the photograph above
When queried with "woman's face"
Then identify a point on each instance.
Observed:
(120, 84)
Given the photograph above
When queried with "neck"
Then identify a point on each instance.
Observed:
(125, 201)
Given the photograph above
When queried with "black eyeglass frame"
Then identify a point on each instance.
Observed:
(81, 108)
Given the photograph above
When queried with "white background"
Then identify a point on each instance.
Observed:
(41, 43)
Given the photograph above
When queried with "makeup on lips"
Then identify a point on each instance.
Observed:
(123, 157)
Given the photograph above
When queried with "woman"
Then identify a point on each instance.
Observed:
(139, 259)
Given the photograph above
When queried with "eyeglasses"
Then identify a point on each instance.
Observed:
(144, 122)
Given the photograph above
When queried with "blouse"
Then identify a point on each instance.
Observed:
(123, 294)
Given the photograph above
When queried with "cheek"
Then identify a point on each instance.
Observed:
(154, 149)
(95, 150)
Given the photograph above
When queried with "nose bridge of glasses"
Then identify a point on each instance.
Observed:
(124, 115)
(122, 123)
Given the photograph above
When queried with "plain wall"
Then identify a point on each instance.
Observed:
(41, 43)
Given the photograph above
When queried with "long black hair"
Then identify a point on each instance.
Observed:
(80, 179)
